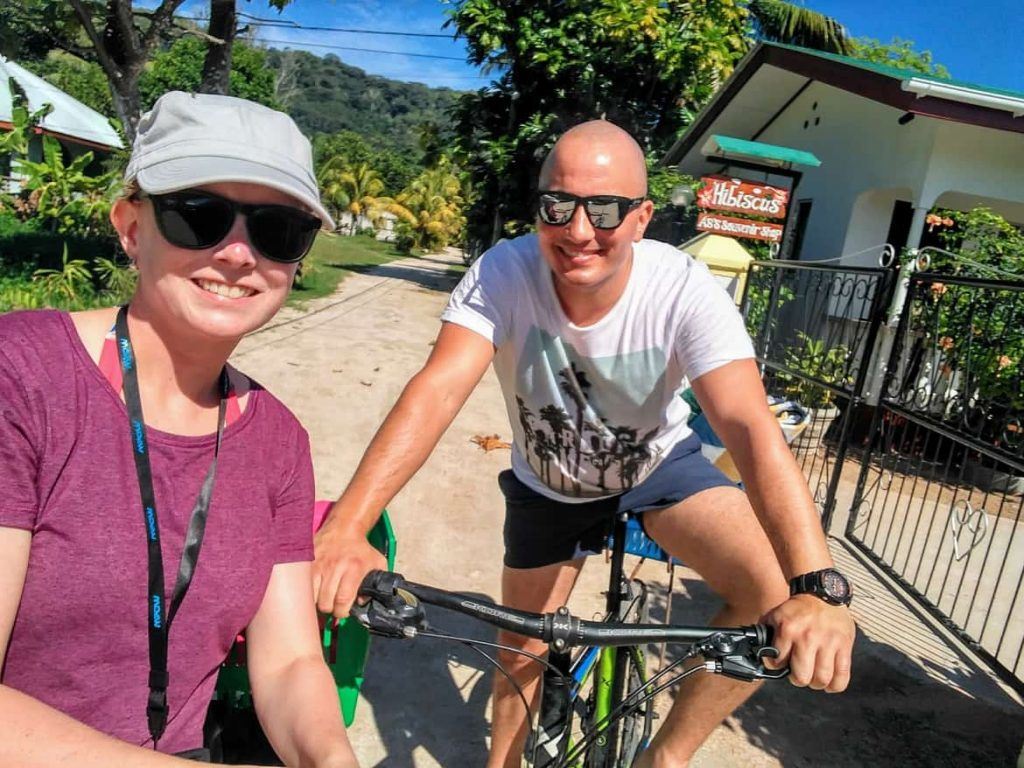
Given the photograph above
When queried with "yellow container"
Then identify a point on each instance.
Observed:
(726, 259)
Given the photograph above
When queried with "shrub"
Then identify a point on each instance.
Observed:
(829, 365)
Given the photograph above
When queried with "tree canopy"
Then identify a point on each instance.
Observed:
(646, 65)
(899, 53)
(328, 96)
(121, 39)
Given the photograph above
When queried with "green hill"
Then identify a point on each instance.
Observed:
(325, 95)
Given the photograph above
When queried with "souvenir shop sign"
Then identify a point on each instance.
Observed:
(732, 226)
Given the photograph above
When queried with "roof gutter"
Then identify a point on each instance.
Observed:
(921, 87)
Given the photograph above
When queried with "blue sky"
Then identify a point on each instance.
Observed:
(426, 16)
(979, 41)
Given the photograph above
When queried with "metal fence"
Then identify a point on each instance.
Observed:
(930, 472)
(940, 494)
(815, 329)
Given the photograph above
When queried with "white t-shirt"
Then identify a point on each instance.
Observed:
(594, 409)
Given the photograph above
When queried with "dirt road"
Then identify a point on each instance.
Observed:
(341, 363)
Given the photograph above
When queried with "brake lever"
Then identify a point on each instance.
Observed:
(398, 615)
(744, 668)
(740, 660)
(770, 652)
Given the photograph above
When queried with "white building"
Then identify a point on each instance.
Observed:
(892, 145)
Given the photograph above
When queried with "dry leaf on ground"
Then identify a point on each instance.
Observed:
(489, 442)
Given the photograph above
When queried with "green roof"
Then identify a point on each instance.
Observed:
(897, 73)
(772, 154)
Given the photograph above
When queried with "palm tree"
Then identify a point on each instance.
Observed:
(561, 430)
(575, 385)
(544, 449)
(333, 191)
(601, 456)
(525, 416)
(784, 22)
(356, 190)
(434, 202)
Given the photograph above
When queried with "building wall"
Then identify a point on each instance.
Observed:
(862, 148)
(869, 160)
(979, 162)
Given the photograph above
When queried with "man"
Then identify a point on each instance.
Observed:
(592, 331)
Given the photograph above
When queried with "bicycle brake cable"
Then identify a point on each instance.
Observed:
(626, 706)
(620, 713)
(473, 641)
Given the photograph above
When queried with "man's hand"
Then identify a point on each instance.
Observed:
(343, 558)
(815, 639)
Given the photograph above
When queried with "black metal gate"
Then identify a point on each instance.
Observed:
(937, 495)
(940, 493)
(815, 329)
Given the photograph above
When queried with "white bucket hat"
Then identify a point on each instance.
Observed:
(188, 140)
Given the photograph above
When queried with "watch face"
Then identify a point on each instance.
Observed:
(835, 584)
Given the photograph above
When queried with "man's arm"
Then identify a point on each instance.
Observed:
(814, 637)
(293, 689)
(425, 409)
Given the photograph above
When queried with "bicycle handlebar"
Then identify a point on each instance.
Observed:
(394, 610)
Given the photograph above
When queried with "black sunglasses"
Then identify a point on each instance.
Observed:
(195, 220)
(604, 211)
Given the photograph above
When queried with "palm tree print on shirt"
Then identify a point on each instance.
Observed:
(572, 441)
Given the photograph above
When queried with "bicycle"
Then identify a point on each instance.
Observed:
(604, 682)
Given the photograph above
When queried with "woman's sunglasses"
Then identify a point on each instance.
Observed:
(196, 220)
(604, 211)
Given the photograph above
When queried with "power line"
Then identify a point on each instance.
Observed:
(254, 21)
(364, 50)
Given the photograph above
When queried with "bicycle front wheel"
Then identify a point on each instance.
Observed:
(635, 728)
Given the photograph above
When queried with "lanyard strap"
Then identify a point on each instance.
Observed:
(159, 620)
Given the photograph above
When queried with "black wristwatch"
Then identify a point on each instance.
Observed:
(828, 584)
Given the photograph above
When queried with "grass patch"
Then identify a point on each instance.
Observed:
(335, 257)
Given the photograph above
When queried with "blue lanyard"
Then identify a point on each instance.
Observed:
(159, 619)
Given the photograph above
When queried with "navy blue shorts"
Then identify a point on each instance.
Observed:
(542, 531)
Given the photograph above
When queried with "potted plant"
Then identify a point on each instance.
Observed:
(829, 365)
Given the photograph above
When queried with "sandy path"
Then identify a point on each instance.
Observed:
(340, 364)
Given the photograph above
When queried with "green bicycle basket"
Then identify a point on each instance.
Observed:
(346, 645)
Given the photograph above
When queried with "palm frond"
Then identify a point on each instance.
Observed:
(785, 22)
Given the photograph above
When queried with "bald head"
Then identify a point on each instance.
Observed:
(598, 147)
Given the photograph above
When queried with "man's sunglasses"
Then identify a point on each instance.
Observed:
(196, 220)
(604, 211)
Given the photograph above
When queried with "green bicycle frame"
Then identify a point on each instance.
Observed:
(604, 679)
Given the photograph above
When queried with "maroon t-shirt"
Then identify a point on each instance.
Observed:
(67, 474)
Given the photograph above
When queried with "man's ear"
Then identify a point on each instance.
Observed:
(644, 214)
(124, 215)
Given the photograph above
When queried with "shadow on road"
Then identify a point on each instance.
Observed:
(430, 695)
(442, 262)
(894, 713)
(430, 279)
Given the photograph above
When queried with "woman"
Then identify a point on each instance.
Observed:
(124, 434)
